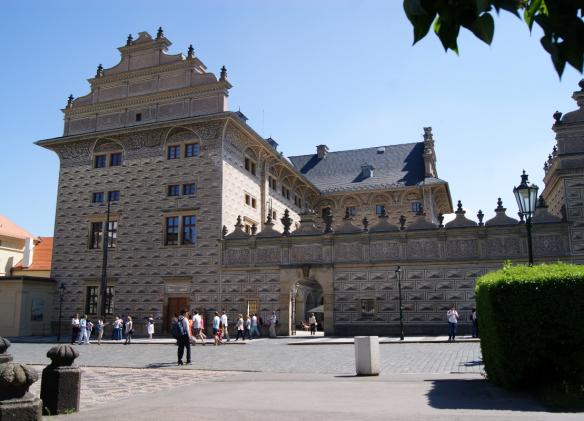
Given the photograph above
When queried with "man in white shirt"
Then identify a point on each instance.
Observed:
(254, 326)
(74, 329)
(273, 322)
(197, 326)
(452, 316)
(83, 337)
(225, 325)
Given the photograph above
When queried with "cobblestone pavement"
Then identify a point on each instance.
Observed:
(102, 385)
(272, 356)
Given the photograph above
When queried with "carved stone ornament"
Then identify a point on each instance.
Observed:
(15, 379)
(4, 345)
(149, 139)
(62, 355)
(207, 130)
(74, 150)
(287, 222)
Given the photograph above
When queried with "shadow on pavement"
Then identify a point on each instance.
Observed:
(477, 394)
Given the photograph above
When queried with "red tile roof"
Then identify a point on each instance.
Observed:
(41, 256)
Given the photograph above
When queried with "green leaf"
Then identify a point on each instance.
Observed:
(484, 28)
(447, 33)
(420, 18)
(558, 62)
(531, 11)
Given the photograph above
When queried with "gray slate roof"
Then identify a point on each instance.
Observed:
(400, 165)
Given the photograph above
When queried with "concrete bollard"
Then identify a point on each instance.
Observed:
(367, 355)
(4, 356)
(16, 402)
(61, 381)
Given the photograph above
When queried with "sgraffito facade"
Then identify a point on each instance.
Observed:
(155, 144)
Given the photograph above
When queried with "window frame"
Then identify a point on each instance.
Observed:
(177, 152)
(171, 189)
(102, 159)
(380, 206)
(181, 227)
(91, 299)
(193, 224)
(416, 206)
(97, 194)
(194, 189)
(118, 163)
(192, 144)
(113, 196)
(368, 307)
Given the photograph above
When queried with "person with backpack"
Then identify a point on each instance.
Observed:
(182, 331)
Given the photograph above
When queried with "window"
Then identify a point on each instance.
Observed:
(114, 195)
(173, 190)
(379, 210)
(250, 166)
(247, 229)
(116, 159)
(297, 201)
(100, 161)
(173, 152)
(97, 197)
(91, 301)
(286, 192)
(189, 189)
(368, 307)
(138, 116)
(351, 210)
(189, 232)
(192, 149)
(252, 307)
(171, 231)
(247, 199)
(112, 234)
(96, 235)
(274, 214)
(254, 203)
(416, 207)
(251, 201)
(109, 300)
(272, 183)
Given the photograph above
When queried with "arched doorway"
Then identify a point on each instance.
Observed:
(306, 297)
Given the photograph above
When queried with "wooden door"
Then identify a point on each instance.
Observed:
(174, 307)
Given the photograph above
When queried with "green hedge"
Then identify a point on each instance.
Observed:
(531, 322)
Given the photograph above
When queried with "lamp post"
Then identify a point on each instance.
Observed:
(61, 296)
(526, 196)
(294, 292)
(401, 315)
(103, 283)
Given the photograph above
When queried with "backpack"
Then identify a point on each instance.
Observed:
(175, 330)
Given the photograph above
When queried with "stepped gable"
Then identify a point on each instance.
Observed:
(391, 166)
(501, 219)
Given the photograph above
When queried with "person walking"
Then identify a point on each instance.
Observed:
(239, 328)
(129, 330)
(254, 326)
(83, 338)
(225, 324)
(150, 326)
(475, 323)
(452, 316)
(74, 329)
(312, 323)
(247, 327)
(216, 323)
(118, 328)
(197, 328)
(89, 328)
(183, 338)
(273, 321)
(99, 328)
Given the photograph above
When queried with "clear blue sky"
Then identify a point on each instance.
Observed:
(342, 73)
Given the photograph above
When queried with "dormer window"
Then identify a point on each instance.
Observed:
(367, 171)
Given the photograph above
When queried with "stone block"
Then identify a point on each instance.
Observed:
(28, 408)
(367, 355)
(60, 390)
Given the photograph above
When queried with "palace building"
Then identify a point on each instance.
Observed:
(197, 210)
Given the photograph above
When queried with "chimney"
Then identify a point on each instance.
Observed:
(27, 256)
(272, 143)
(367, 171)
(321, 151)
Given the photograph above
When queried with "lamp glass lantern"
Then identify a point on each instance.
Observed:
(526, 196)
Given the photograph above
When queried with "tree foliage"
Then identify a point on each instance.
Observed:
(560, 20)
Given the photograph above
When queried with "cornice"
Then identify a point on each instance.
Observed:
(220, 86)
(148, 71)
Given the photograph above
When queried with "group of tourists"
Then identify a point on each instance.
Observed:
(452, 316)
(82, 328)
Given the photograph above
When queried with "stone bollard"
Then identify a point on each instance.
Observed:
(61, 381)
(367, 355)
(4, 345)
(16, 402)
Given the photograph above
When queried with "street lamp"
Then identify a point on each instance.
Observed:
(294, 292)
(526, 196)
(401, 315)
(61, 296)
(105, 239)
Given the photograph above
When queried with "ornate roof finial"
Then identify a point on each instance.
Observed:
(459, 208)
(365, 223)
(428, 133)
(440, 220)
(224, 231)
(541, 202)
(269, 219)
(328, 221)
(558, 117)
(159, 33)
(555, 151)
(190, 52)
(402, 222)
(481, 215)
(223, 75)
(500, 205)
(238, 224)
(581, 85)
(70, 101)
(99, 71)
(130, 40)
(546, 166)
(254, 229)
(550, 159)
